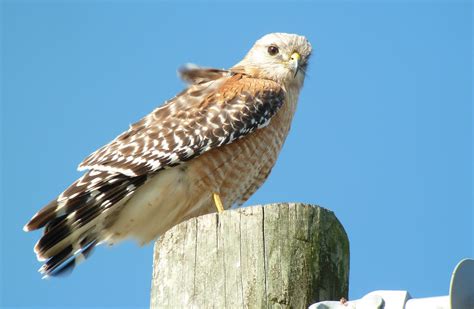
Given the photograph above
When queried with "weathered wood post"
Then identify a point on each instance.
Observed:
(278, 255)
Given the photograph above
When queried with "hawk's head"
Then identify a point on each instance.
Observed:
(281, 57)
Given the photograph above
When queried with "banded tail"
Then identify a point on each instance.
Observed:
(74, 223)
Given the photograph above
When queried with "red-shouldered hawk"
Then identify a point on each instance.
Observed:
(220, 137)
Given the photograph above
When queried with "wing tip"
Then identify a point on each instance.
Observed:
(27, 228)
(33, 224)
(42, 217)
(39, 256)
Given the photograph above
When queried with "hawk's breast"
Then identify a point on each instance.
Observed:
(237, 170)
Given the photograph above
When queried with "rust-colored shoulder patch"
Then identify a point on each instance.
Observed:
(203, 117)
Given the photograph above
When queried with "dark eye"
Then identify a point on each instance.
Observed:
(273, 50)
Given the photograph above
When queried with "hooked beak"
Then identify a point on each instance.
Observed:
(295, 62)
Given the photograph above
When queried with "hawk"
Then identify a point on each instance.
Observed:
(212, 145)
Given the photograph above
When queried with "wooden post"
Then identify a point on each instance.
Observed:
(277, 255)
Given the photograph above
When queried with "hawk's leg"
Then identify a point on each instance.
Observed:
(218, 202)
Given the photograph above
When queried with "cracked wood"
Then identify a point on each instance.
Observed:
(280, 255)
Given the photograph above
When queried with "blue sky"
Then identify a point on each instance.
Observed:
(382, 135)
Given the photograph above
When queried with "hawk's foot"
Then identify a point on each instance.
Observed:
(217, 202)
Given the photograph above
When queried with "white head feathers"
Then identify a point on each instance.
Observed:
(281, 57)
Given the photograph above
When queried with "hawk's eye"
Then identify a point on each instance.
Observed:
(273, 50)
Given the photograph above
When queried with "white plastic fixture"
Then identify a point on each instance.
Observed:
(461, 295)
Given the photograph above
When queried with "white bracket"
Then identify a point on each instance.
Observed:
(461, 295)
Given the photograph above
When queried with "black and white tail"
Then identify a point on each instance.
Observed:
(74, 222)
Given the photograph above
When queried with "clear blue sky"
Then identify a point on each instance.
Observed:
(382, 135)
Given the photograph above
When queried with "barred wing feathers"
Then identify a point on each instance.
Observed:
(194, 122)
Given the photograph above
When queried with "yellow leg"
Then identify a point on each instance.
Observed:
(218, 202)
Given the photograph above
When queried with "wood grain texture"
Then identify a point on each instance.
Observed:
(274, 256)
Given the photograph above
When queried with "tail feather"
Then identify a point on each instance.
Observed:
(73, 224)
(53, 263)
(54, 223)
(76, 195)
(42, 217)
(64, 262)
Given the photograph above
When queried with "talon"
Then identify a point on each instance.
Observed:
(218, 202)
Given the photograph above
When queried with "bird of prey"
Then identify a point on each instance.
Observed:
(211, 146)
